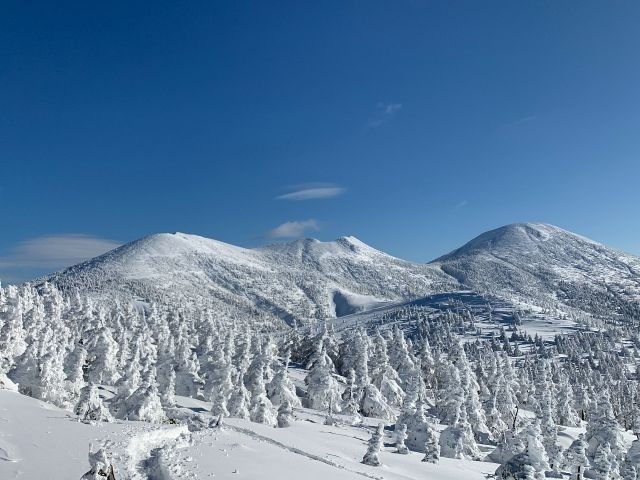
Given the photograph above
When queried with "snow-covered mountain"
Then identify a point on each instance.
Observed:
(300, 280)
(449, 385)
(531, 264)
(540, 264)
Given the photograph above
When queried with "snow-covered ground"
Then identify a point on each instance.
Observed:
(490, 315)
(38, 440)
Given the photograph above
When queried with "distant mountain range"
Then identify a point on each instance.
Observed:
(530, 264)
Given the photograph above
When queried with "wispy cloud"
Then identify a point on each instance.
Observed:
(52, 252)
(384, 113)
(523, 120)
(461, 204)
(312, 191)
(294, 229)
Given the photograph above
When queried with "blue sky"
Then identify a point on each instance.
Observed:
(413, 125)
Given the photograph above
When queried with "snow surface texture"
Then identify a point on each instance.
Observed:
(42, 441)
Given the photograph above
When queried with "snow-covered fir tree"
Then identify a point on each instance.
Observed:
(372, 457)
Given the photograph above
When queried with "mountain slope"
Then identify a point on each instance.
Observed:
(531, 264)
(298, 281)
(545, 265)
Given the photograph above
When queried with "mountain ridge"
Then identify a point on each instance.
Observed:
(295, 282)
(549, 265)
(292, 282)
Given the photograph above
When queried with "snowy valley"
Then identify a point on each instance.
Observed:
(176, 356)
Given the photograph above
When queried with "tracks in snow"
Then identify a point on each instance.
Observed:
(297, 451)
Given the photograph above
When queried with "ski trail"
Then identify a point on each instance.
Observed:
(143, 448)
(297, 451)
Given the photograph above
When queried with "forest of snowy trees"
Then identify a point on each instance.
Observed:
(438, 385)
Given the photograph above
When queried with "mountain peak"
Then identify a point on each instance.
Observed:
(534, 261)
(516, 237)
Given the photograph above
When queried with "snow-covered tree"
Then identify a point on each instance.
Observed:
(401, 436)
(603, 429)
(373, 404)
(238, 405)
(518, 467)
(605, 463)
(188, 381)
(144, 405)
(458, 441)
(322, 388)
(262, 411)
(102, 359)
(630, 468)
(281, 388)
(101, 467)
(372, 457)
(90, 407)
(576, 460)
(285, 417)
(431, 447)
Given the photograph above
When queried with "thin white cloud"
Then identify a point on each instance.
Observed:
(294, 229)
(461, 204)
(311, 191)
(55, 251)
(384, 113)
(523, 120)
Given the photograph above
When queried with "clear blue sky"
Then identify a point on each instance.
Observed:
(414, 125)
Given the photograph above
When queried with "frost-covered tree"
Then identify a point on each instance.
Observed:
(219, 384)
(74, 369)
(537, 458)
(458, 441)
(90, 407)
(495, 422)
(102, 359)
(518, 467)
(188, 381)
(144, 405)
(604, 463)
(285, 417)
(414, 417)
(630, 468)
(167, 387)
(350, 396)
(400, 357)
(12, 332)
(52, 386)
(355, 356)
(322, 388)
(431, 446)
(372, 457)
(262, 411)
(450, 395)
(576, 460)
(238, 405)
(603, 428)
(373, 404)
(281, 388)
(26, 371)
(566, 412)
(101, 467)
(401, 436)
(549, 431)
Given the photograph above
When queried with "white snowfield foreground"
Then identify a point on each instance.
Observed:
(39, 441)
